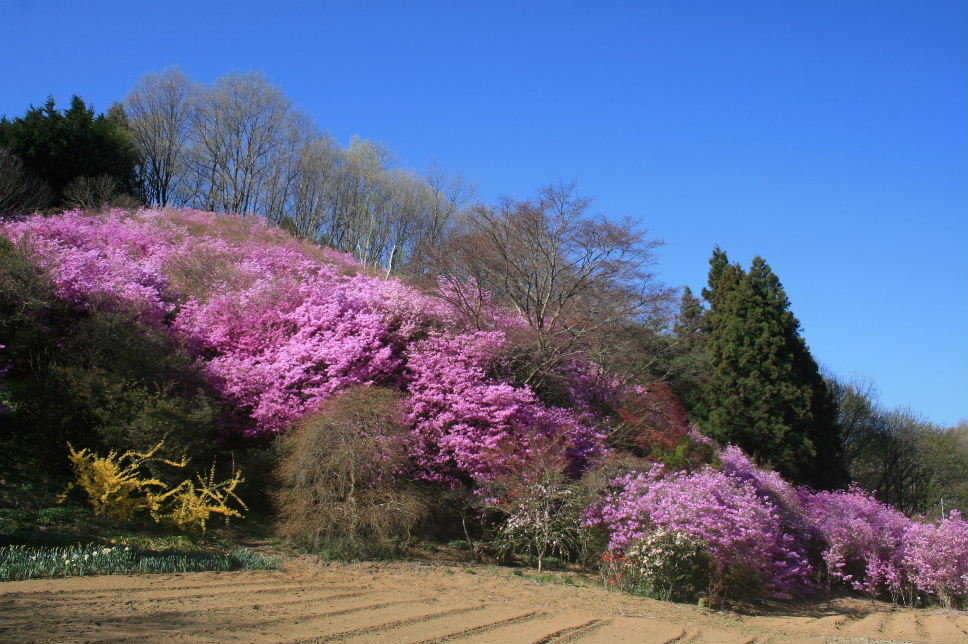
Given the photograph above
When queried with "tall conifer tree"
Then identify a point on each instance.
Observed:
(765, 392)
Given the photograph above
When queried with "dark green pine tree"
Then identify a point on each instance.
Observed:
(59, 147)
(764, 392)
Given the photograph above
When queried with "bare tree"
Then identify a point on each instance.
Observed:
(241, 128)
(91, 192)
(159, 109)
(574, 278)
(20, 191)
(239, 146)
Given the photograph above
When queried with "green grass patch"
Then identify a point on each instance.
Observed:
(547, 578)
(18, 562)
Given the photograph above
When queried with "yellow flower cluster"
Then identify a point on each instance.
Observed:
(118, 489)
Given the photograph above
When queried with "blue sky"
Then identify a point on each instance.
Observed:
(827, 136)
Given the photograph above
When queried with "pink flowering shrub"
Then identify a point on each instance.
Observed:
(467, 422)
(280, 326)
(936, 558)
(864, 539)
(874, 548)
(750, 517)
(740, 528)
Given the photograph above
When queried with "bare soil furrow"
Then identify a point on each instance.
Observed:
(446, 632)
(109, 585)
(342, 636)
(278, 628)
(938, 625)
(127, 611)
(406, 603)
(158, 596)
(571, 633)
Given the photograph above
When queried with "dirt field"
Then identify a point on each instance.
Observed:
(412, 602)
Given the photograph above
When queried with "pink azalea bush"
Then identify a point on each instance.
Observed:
(280, 326)
(863, 539)
(936, 558)
(748, 516)
(739, 527)
(466, 421)
(872, 547)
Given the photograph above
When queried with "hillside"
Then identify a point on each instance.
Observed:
(374, 412)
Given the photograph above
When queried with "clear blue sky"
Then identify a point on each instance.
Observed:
(827, 136)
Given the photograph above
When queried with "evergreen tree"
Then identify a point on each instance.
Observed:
(61, 147)
(764, 391)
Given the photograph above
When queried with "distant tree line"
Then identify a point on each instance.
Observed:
(911, 463)
(240, 146)
(237, 146)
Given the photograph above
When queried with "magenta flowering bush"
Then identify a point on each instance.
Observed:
(466, 421)
(872, 547)
(751, 517)
(936, 558)
(739, 527)
(280, 326)
(863, 539)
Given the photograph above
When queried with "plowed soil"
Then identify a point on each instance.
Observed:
(311, 601)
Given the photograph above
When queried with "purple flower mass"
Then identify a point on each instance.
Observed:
(280, 326)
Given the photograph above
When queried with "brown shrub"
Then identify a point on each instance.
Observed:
(339, 483)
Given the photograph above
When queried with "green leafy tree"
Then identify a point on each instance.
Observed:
(764, 391)
(913, 464)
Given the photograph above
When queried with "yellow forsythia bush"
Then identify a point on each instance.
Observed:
(118, 489)
(192, 504)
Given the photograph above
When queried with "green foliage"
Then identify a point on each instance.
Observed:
(909, 462)
(30, 563)
(88, 377)
(60, 147)
(764, 392)
(688, 454)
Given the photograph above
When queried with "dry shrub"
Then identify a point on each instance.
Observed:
(339, 484)
(241, 229)
(198, 273)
